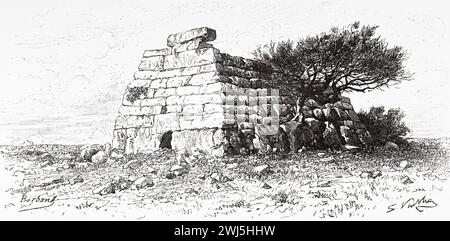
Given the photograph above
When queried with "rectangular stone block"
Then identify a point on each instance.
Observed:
(177, 81)
(174, 108)
(209, 68)
(119, 139)
(188, 90)
(154, 101)
(204, 78)
(152, 63)
(175, 100)
(190, 58)
(165, 92)
(242, 118)
(193, 109)
(129, 110)
(203, 33)
(213, 108)
(156, 52)
(152, 74)
(158, 83)
(212, 88)
(166, 122)
(255, 119)
(213, 120)
(190, 45)
(148, 120)
(203, 99)
(139, 83)
(151, 110)
(266, 120)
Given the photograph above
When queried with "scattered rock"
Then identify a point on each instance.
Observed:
(110, 161)
(82, 166)
(51, 180)
(351, 148)
(391, 146)
(75, 180)
(191, 190)
(324, 183)
(364, 175)
(105, 189)
(88, 151)
(232, 165)
(403, 164)
(176, 168)
(327, 159)
(406, 180)
(143, 182)
(107, 147)
(47, 158)
(171, 175)
(375, 174)
(216, 177)
(99, 157)
(45, 164)
(152, 170)
(122, 183)
(262, 169)
(266, 186)
(349, 136)
(331, 137)
(133, 164)
(116, 156)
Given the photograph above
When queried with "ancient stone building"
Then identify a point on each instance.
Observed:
(191, 97)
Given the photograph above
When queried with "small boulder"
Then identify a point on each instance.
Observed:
(122, 183)
(266, 186)
(403, 164)
(107, 147)
(88, 151)
(105, 189)
(176, 168)
(99, 157)
(133, 164)
(351, 148)
(406, 180)
(116, 156)
(391, 146)
(261, 169)
(143, 182)
(375, 174)
(171, 175)
(76, 179)
(51, 181)
(46, 157)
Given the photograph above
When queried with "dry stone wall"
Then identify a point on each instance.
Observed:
(189, 92)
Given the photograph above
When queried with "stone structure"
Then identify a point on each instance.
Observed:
(191, 97)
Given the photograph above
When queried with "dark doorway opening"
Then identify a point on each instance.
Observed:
(166, 140)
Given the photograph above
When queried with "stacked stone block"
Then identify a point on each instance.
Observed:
(201, 96)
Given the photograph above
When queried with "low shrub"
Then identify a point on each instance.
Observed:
(385, 126)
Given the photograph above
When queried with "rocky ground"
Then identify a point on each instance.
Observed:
(65, 182)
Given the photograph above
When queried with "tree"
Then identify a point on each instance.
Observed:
(326, 65)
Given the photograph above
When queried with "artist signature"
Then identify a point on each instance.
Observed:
(420, 204)
(37, 202)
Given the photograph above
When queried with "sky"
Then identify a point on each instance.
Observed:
(65, 64)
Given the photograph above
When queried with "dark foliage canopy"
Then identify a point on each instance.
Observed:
(328, 64)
